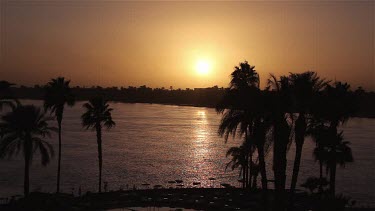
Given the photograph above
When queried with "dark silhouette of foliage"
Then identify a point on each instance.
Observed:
(57, 95)
(304, 91)
(240, 107)
(23, 130)
(98, 115)
(239, 160)
(313, 183)
(332, 153)
(335, 106)
(7, 97)
(290, 108)
(279, 102)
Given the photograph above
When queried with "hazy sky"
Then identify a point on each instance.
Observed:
(120, 43)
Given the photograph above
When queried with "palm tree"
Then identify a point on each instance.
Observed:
(57, 95)
(236, 107)
(6, 96)
(23, 130)
(319, 134)
(278, 105)
(334, 152)
(261, 127)
(244, 76)
(233, 122)
(97, 116)
(238, 160)
(335, 106)
(304, 89)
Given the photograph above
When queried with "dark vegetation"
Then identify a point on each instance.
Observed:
(291, 108)
(204, 97)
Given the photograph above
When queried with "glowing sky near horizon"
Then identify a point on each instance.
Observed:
(160, 44)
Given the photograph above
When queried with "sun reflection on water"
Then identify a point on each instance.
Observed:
(201, 126)
(202, 153)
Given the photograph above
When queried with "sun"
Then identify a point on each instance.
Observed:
(203, 67)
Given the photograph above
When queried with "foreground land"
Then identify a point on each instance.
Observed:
(188, 198)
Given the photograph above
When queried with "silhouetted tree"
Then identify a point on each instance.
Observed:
(97, 116)
(6, 96)
(262, 126)
(231, 120)
(318, 132)
(333, 153)
(57, 95)
(279, 107)
(304, 90)
(238, 160)
(235, 106)
(23, 130)
(336, 105)
(243, 77)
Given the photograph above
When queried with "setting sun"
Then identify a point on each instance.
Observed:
(203, 67)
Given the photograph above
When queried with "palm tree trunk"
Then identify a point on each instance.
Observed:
(244, 177)
(26, 177)
(320, 175)
(280, 165)
(247, 172)
(332, 181)
(281, 134)
(332, 163)
(262, 166)
(254, 182)
(27, 157)
(280, 177)
(296, 166)
(297, 161)
(99, 140)
(263, 174)
(59, 159)
(300, 130)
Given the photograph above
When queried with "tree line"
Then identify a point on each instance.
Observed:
(207, 97)
(291, 108)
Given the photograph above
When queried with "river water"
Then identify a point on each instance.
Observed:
(157, 143)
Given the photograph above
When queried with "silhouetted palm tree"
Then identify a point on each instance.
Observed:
(334, 152)
(237, 122)
(318, 132)
(97, 116)
(244, 76)
(57, 95)
(262, 126)
(336, 105)
(6, 96)
(304, 90)
(23, 130)
(279, 107)
(236, 107)
(238, 160)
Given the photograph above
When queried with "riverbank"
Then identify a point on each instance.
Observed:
(187, 198)
(198, 97)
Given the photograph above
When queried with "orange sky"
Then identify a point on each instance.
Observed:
(159, 43)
